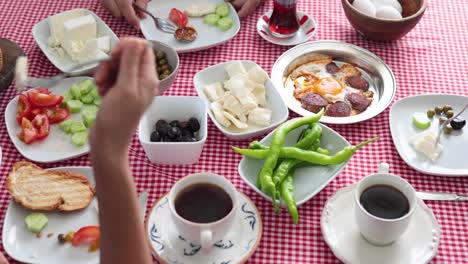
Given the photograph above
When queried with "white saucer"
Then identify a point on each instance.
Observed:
(307, 29)
(417, 245)
(168, 246)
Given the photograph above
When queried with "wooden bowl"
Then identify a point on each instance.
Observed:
(385, 29)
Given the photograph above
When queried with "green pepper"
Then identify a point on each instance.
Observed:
(265, 176)
(323, 151)
(287, 192)
(306, 155)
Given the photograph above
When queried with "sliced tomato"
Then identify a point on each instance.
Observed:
(38, 99)
(43, 90)
(57, 115)
(28, 132)
(41, 123)
(178, 17)
(37, 111)
(86, 235)
(24, 108)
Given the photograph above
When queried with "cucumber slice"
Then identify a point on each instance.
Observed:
(89, 115)
(211, 19)
(74, 106)
(76, 92)
(65, 125)
(97, 101)
(225, 23)
(86, 86)
(67, 97)
(36, 222)
(87, 99)
(79, 139)
(222, 10)
(421, 121)
(77, 126)
(94, 93)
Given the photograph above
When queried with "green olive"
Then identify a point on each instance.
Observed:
(430, 113)
(160, 55)
(165, 67)
(442, 120)
(438, 110)
(447, 108)
(162, 62)
(449, 114)
(448, 129)
(167, 72)
(163, 76)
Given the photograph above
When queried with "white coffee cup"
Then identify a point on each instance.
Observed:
(380, 231)
(204, 234)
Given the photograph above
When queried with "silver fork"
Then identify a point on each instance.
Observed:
(162, 24)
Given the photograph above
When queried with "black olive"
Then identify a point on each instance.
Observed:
(174, 123)
(162, 127)
(61, 239)
(457, 123)
(186, 138)
(194, 125)
(155, 137)
(183, 125)
(166, 139)
(174, 132)
(187, 132)
(194, 139)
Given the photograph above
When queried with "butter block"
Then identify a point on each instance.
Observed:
(56, 22)
(76, 33)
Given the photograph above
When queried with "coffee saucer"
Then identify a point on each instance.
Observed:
(307, 29)
(168, 246)
(418, 244)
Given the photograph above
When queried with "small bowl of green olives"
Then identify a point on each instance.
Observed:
(167, 64)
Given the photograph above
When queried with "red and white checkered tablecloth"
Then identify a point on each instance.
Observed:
(433, 58)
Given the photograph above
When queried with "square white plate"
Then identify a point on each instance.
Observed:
(451, 161)
(41, 34)
(217, 73)
(24, 246)
(57, 146)
(308, 181)
(208, 36)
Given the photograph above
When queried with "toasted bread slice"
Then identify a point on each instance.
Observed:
(39, 189)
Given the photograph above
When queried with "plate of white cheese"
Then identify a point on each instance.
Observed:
(416, 145)
(243, 103)
(74, 37)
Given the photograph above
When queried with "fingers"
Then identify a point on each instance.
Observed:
(237, 3)
(247, 9)
(148, 75)
(142, 4)
(112, 7)
(132, 50)
(128, 12)
(106, 75)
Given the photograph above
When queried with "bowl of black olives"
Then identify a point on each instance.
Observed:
(174, 129)
(167, 64)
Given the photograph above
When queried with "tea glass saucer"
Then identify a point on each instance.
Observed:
(168, 246)
(418, 244)
(307, 29)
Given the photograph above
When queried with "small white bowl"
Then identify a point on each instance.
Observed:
(41, 34)
(217, 73)
(173, 108)
(173, 60)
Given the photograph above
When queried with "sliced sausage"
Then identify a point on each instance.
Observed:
(332, 68)
(358, 101)
(313, 102)
(358, 82)
(338, 109)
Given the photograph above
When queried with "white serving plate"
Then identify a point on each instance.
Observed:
(451, 161)
(217, 73)
(24, 246)
(208, 36)
(41, 33)
(308, 181)
(57, 146)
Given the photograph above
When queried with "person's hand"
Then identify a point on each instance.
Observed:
(3, 260)
(124, 8)
(244, 7)
(128, 84)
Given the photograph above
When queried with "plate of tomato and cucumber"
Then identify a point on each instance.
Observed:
(50, 124)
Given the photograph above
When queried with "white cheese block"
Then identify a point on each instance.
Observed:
(257, 75)
(91, 52)
(233, 105)
(260, 116)
(214, 91)
(217, 110)
(56, 22)
(104, 43)
(76, 33)
(242, 94)
(260, 96)
(424, 142)
(237, 123)
(235, 68)
(53, 42)
(200, 9)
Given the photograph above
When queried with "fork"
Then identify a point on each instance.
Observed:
(162, 24)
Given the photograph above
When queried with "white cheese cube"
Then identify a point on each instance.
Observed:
(257, 75)
(217, 110)
(76, 33)
(214, 91)
(200, 9)
(104, 43)
(91, 52)
(424, 142)
(260, 116)
(243, 95)
(237, 123)
(53, 42)
(56, 22)
(233, 105)
(235, 68)
(260, 96)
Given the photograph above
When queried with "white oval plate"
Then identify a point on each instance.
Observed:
(57, 146)
(450, 162)
(217, 73)
(308, 181)
(24, 246)
(307, 29)
(418, 244)
(208, 36)
(41, 34)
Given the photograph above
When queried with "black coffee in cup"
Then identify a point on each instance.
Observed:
(384, 201)
(203, 203)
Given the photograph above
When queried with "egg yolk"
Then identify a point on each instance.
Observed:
(328, 85)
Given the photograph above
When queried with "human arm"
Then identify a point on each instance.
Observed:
(245, 7)
(3, 260)
(124, 8)
(122, 234)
